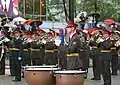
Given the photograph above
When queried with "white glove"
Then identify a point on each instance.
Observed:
(30, 40)
(44, 41)
(19, 58)
(0, 42)
(57, 42)
(6, 40)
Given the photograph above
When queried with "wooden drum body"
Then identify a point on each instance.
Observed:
(40, 76)
(69, 77)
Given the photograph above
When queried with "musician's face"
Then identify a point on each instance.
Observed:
(36, 36)
(25, 36)
(69, 30)
(116, 37)
(105, 35)
(41, 33)
(17, 34)
(3, 35)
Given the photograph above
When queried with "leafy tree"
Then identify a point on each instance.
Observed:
(57, 10)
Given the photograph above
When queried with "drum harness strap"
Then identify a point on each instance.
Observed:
(55, 49)
(105, 51)
(73, 55)
(14, 49)
(34, 49)
(25, 49)
(113, 48)
(49, 51)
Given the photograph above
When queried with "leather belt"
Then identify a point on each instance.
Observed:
(35, 49)
(55, 49)
(105, 51)
(73, 55)
(49, 51)
(14, 49)
(25, 49)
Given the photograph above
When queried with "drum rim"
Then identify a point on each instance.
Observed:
(70, 72)
(46, 66)
(41, 69)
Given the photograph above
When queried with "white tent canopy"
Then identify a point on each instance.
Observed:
(10, 24)
(19, 19)
(52, 25)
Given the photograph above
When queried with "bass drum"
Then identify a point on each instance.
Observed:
(40, 75)
(70, 77)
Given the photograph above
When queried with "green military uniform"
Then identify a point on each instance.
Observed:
(84, 55)
(105, 58)
(114, 61)
(35, 53)
(12, 58)
(95, 55)
(17, 57)
(3, 47)
(73, 62)
(56, 53)
(118, 59)
(26, 58)
(42, 53)
(49, 58)
(62, 58)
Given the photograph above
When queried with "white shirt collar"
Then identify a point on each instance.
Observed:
(72, 34)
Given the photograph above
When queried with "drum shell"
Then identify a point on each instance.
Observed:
(39, 78)
(70, 79)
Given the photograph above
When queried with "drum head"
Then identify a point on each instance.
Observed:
(70, 72)
(41, 69)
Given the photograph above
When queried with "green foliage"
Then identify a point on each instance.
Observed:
(106, 8)
(54, 2)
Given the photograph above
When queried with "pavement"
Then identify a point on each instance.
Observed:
(7, 80)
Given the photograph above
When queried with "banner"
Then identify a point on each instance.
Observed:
(62, 34)
(9, 7)
(15, 7)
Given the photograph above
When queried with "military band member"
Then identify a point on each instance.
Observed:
(62, 51)
(118, 59)
(114, 61)
(84, 53)
(106, 57)
(62, 59)
(49, 57)
(17, 54)
(56, 43)
(11, 58)
(35, 50)
(4, 41)
(26, 58)
(114, 50)
(73, 40)
(95, 54)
